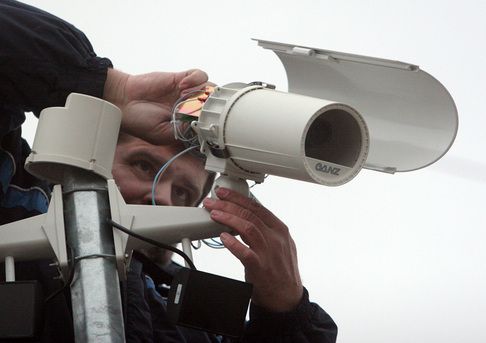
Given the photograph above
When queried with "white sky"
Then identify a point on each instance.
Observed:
(393, 258)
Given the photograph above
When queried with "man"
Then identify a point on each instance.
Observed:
(42, 60)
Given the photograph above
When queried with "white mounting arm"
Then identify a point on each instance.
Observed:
(38, 237)
(165, 224)
(43, 236)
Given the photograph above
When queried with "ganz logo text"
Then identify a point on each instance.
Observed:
(327, 169)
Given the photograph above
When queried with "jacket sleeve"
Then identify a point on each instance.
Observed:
(43, 59)
(308, 323)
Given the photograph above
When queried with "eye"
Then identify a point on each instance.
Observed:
(144, 168)
(181, 196)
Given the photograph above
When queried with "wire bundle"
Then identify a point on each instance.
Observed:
(181, 121)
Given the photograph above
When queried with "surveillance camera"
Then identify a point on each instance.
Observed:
(249, 130)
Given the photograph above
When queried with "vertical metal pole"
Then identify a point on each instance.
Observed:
(95, 290)
(9, 269)
(186, 247)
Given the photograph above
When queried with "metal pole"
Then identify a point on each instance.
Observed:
(186, 247)
(95, 290)
(9, 269)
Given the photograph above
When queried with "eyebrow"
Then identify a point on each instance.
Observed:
(155, 160)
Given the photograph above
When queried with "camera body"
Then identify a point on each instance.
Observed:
(250, 130)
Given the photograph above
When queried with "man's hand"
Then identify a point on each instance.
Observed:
(269, 256)
(146, 100)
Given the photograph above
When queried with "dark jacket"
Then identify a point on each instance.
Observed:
(42, 60)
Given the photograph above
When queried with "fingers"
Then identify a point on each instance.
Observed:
(249, 229)
(247, 257)
(265, 215)
(249, 226)
(256, 225)
(192, 78)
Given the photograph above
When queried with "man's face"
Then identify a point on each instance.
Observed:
(137, 162)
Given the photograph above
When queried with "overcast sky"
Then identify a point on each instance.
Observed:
(393, 258)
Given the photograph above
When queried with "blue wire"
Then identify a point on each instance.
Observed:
(213, 243)
(164, 168)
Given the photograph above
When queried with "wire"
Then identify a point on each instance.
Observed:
(69, 280)
(175, 121)
(151, 241)
(72, 261)
(195, 247)
(213, 243)
(164, 168)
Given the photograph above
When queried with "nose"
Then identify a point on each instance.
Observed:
(162, 194)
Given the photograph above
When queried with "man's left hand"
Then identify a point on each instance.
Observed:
(146, 100)
(269, 256)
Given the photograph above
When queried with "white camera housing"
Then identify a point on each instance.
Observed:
(407, 119)
(249, 130)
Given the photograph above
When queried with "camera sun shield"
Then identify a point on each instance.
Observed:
(412, 118)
